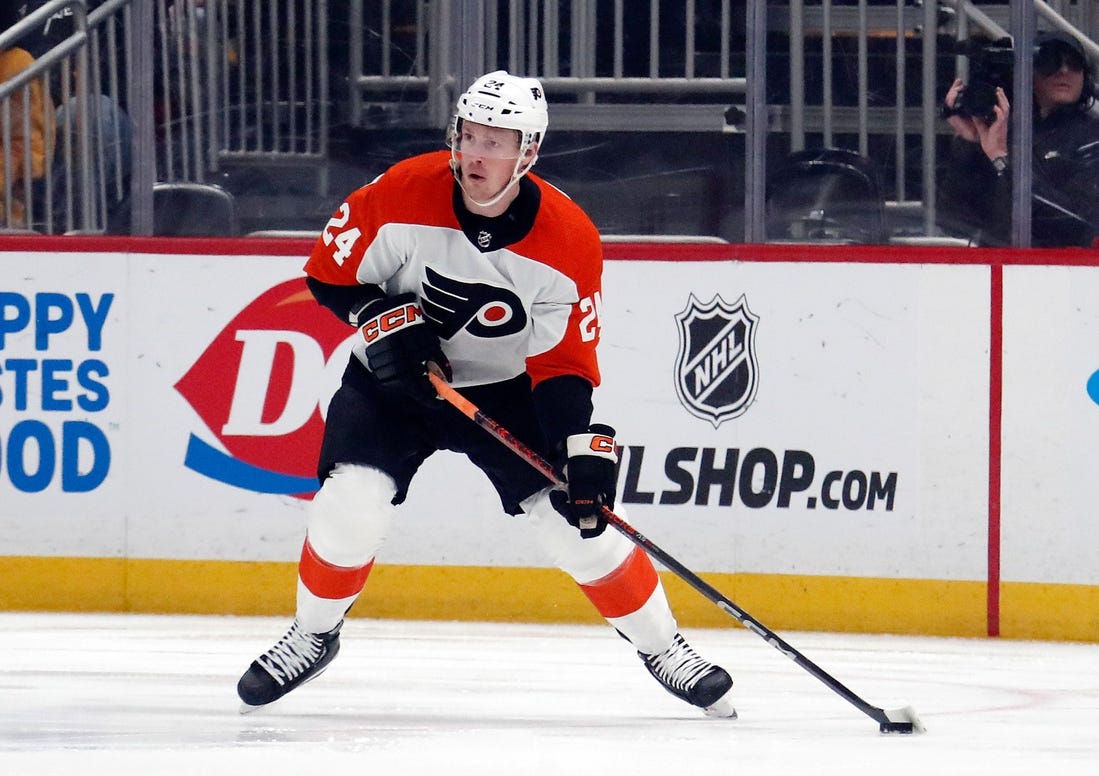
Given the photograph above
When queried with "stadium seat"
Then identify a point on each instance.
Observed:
(826, 195)
(193, 210)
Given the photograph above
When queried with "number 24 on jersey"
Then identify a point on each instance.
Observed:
(344, 239)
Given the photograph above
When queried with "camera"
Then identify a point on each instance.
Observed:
(991, 63)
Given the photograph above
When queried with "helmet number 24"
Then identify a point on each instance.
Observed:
(344, 240)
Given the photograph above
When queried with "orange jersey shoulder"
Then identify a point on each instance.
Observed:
(412, 191)
(565, 238)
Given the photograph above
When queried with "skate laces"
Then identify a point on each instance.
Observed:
(679, 666)
(294, 653)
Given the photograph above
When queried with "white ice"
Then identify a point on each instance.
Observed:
(137, 694)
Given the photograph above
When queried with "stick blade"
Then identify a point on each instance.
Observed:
(904, 721)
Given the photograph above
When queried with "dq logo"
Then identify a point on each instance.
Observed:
(261, 388)
(716, 371)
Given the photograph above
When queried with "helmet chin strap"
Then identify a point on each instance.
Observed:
(516, 174)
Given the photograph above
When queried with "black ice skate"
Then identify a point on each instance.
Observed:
(690, 677)
(293, 661)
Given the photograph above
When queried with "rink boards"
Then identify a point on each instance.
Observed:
(838, 438)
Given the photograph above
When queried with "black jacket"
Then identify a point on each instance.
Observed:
(976, 201)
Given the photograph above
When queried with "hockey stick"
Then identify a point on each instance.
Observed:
(903, 720)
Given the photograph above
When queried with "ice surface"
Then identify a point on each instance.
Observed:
(137, 694)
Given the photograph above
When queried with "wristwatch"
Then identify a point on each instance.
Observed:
(999, 164)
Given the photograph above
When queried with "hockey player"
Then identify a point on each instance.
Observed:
(467, 260)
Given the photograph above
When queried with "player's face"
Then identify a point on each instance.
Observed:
(487, 158)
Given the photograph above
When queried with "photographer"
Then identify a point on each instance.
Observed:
(976, 190)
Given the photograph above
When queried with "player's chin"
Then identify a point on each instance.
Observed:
(482, 190)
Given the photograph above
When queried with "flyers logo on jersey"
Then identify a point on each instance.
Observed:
(481, 309)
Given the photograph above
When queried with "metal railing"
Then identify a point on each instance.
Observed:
(651, 71)
(241, 81)
(228, 82)
(38, 178)
(640, 66)
(191, 88)
(911, 119)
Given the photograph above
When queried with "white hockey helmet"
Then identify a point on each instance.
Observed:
(500, 99)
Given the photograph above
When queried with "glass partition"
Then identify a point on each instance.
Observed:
(825, 121)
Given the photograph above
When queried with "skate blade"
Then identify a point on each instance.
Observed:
(246, 708)
(721, 709)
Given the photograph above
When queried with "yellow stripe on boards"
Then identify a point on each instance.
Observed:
(62, 584)
(1030, 610)
(840, 604)
(504, 594)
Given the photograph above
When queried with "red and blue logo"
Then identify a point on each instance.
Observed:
(262, 387)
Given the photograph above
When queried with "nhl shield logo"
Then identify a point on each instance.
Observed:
(716, 370)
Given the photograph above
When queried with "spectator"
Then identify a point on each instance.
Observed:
(977, 187)
(26, 121)
(109, 125)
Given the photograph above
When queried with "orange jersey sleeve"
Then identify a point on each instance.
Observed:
(567, 239)
(414, 191)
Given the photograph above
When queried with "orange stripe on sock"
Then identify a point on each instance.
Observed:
(626, 589)
(328, 581)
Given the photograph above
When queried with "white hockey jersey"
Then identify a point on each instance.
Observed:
(530, 306)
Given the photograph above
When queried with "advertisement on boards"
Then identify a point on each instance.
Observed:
(1051, 424)
(774, 418)
(803, 418)
(64, 402)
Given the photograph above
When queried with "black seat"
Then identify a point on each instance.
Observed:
(825, 195)
(193, 210)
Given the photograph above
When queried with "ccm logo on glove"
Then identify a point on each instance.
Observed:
(389, 321)
(399, 342)
(601, 445)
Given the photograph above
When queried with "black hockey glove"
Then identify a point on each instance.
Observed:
(590, 480)
(398, 344)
